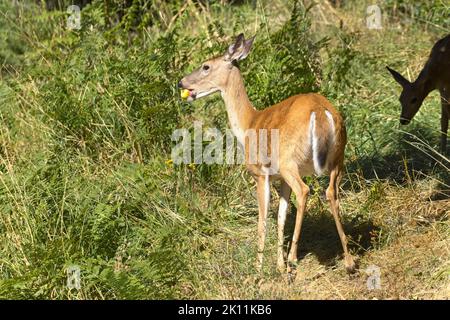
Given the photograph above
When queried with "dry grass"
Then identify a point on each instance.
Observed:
(141, 228)
(410, 244)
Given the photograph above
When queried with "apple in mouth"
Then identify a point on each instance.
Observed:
(190, 95)
(187, 94)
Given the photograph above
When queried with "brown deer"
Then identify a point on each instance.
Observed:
(434, 75)
(312, 139)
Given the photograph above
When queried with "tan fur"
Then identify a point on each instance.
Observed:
(292, 118)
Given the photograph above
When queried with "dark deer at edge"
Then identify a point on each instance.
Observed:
(434, 75)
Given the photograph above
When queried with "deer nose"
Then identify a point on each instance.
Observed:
(404, 121)
(180, 84)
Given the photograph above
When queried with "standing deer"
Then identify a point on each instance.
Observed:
(312, 140)
(434, 75)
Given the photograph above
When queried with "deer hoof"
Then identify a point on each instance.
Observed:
(350, 264)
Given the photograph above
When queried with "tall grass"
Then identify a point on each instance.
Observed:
(85, 138)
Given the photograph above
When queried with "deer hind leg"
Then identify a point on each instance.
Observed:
(333, 197)
(285, 194)
(301, 190)
(445, 104)
(263, 191)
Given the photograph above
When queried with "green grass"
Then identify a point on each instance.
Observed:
(85, 138)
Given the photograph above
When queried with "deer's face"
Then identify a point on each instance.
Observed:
(410, 102)
(210, 77)
(411, 97)
(213, 74)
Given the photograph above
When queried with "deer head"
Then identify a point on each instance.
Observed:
(213, 74)
(411, 98)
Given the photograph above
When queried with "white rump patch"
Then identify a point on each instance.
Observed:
(314, 143)
(314, 140)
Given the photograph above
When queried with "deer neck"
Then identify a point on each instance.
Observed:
(239, 108)
(424, 82)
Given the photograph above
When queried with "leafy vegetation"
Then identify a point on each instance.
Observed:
(85, 176)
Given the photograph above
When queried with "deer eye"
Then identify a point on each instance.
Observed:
(413, 100)
(205, 67)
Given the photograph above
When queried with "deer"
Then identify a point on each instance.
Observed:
(312, 139)
(434, 75)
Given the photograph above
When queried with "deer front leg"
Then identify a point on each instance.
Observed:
(263, 191)
(445, 104)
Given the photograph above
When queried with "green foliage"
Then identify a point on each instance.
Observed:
(425, 11)
(12, 47)
(87, 117)
(286, 62)
(337, 72)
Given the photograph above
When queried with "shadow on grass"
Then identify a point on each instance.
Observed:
(319, 236)
(406, 162)
(409, 159)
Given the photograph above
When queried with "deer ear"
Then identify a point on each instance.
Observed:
(234, 47)
(239, 49)
(247, 46)
(399, 78)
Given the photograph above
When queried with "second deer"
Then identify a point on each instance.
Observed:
(312, 139)
(434, 75)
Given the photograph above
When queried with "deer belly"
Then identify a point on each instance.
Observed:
(260, 170)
